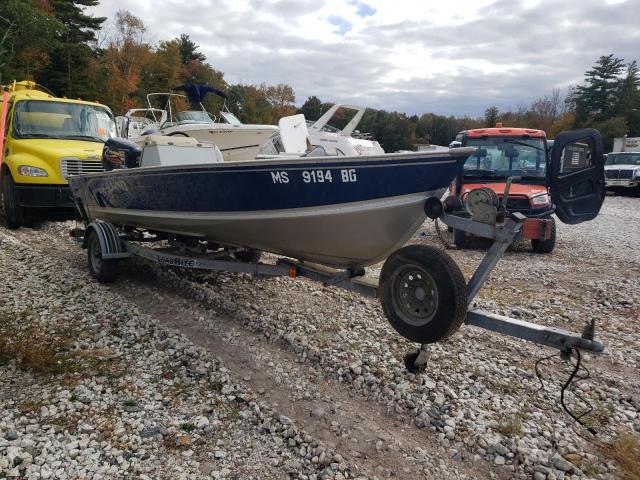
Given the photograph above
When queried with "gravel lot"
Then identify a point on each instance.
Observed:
(169, 374)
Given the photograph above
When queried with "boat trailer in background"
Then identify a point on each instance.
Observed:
(407, 286)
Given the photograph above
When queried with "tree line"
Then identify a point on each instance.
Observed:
(57, 44)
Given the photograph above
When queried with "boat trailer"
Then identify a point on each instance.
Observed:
(106, 246)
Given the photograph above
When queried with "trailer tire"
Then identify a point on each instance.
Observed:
(103, 270)
(248, 256)
(13, 214)
(545, 246)
(423, 293)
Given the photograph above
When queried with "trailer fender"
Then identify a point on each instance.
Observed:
(110, 243)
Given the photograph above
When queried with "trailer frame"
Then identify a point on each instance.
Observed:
(115, 246)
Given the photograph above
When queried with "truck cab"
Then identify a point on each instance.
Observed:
(518, 154)
(46, 140)
(622, 171)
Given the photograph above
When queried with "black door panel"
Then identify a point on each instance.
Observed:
(576, 175)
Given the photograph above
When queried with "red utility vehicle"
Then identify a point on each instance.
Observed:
(522, 155)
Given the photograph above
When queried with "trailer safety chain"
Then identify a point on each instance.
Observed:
(444, 241)
(570, 384)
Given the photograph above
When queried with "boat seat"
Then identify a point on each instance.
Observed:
(164, 150)
(317, 151)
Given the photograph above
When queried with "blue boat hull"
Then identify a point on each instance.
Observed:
(338, 211)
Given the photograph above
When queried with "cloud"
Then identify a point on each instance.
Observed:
(445, 57)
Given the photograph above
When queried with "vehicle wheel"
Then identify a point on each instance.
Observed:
(423, 293)
(11, 207)
(460, 239)
(248, 256)
(105, 271)
(545, 246)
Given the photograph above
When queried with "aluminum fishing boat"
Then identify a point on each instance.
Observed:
(337, 211)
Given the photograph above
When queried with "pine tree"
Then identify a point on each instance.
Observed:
(67, 73)
(189, 50)
(628, 104)
(597, 98)
(28, 33)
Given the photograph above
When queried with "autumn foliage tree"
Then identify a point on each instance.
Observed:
(123, 59)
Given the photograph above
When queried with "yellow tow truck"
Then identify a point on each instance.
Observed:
(46, 140)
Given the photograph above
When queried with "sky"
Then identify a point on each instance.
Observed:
(454, 57)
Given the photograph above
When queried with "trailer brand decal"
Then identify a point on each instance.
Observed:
(175, 261)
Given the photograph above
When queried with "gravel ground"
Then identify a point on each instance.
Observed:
(169, 374)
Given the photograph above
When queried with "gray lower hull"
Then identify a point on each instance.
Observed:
(346, 235)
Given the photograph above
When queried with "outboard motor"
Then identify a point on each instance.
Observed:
(120, 153)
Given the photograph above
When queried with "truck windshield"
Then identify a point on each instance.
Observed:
(502, 157)
(623, 159)
(62, 120)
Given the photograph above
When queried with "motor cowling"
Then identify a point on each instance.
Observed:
(120, 153)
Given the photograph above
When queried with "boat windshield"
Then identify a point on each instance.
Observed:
(62, 120)
(230, 118)
(623, 159)
(325, 128)
(502, 157)
(193, 116)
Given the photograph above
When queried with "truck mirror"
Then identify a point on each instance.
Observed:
(122, 126)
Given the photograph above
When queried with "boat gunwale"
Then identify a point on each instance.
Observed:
(290, 163)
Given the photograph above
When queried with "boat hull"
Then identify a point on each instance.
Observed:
(361, 210)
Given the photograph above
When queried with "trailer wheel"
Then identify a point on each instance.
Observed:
(423, 293)
(545, 246)
(248, 256)
(12, 210)
(103, 270)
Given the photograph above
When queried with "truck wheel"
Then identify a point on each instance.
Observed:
(460, 239)
(11, 207)
(545, 246)
(423, 293)
(103, 270)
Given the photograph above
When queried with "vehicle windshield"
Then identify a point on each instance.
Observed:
(623, 159)
(62, 120)
(502, 157)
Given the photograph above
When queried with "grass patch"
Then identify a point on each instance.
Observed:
(188, 427)
(600, 415)
(36, 351)
(625, 451)
(216, 386)
(32, 406)
(510, 427)
(49, 350)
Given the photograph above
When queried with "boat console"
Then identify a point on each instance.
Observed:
(158, 151)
